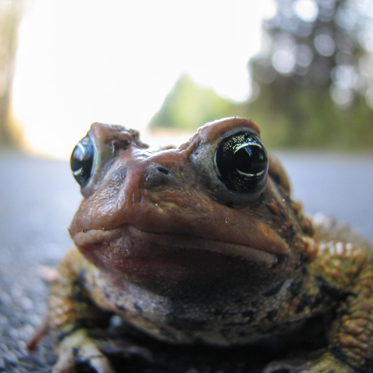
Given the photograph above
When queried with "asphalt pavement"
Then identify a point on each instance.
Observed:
(38, 198)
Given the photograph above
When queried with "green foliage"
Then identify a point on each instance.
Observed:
(312, 91)
(289, 116)
(189, 106)
(308, 117)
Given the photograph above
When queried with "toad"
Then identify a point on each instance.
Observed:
(203, 244)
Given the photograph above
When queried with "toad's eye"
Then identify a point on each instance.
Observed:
(81, 161)
(241, 162)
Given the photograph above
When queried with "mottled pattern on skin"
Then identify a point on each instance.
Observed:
(163, 243)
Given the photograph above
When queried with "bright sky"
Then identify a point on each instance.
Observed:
(114, 61)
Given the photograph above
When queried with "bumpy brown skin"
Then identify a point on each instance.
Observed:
(162, 242)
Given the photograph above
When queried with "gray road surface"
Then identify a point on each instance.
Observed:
(38, 198)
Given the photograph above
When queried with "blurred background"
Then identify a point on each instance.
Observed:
(301, 69)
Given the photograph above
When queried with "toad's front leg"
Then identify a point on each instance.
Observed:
(79, 348)
(74, 319)
(71, 315)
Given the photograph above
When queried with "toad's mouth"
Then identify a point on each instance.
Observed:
(131, 243)
(171, 262)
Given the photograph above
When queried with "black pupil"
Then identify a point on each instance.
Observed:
(250, 159)
(242, 159)
(82, 160)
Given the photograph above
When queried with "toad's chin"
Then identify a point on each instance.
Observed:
(171, 258)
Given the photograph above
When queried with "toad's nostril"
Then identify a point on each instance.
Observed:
(163, 170)
(158, 175)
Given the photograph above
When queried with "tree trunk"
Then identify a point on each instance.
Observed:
(11, 12)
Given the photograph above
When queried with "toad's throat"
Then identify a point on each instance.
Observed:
(138, 242)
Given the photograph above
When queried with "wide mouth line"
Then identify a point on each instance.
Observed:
(174, 240)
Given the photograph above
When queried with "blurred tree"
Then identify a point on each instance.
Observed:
(10, 15)
(189, 106)
(314, 75)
